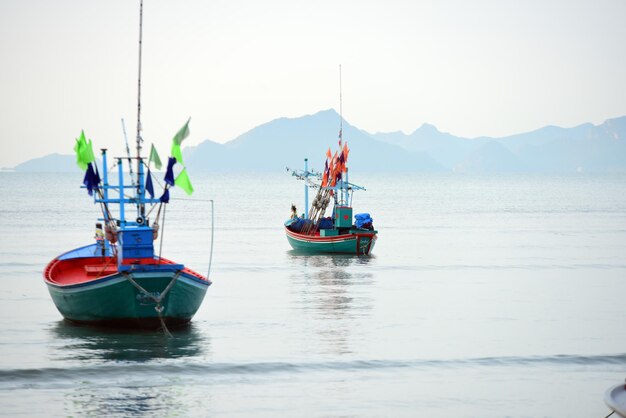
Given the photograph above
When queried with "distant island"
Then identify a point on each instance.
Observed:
(287, 141)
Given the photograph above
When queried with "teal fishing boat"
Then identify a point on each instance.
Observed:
(313, 232)
(120, 280)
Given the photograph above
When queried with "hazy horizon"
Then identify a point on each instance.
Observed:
(475, 69)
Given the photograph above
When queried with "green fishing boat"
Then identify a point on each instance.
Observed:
(89, 288)
(120, 280)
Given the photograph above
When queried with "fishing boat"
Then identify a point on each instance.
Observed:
(119, 280)
(312, 231)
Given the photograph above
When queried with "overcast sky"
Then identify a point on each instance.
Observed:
(471, 68)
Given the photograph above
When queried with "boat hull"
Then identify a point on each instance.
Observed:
(115, 301)
(144, 297)
(359, 243)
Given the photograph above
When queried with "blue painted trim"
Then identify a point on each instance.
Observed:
(121, 186)
(105, 176)
(148, 268)
(87, 251)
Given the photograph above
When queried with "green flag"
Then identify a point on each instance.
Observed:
(84, 152)
(78, 147)
(183, 182)
(177, 153)
(182, 133)
(154, 157)
(87, 154)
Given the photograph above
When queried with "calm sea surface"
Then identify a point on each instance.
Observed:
(486, 296)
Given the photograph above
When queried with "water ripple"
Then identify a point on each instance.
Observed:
(158, 374)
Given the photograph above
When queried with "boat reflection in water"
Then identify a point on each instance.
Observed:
(113, 372)
(334, 289)
(129, 401)
(96, 344)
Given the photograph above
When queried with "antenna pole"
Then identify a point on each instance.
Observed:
(139, 139)
(306, 188)
(340, 108)
(340, 125)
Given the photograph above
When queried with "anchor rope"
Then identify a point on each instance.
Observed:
(157, 300)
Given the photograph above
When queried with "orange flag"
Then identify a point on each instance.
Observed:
(341, 162)
(328, 153)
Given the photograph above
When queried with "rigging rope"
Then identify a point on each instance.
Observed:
(162, 232)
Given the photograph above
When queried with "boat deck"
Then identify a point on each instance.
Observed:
(73, 271)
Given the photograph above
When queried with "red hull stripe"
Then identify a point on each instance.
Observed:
(317, 238)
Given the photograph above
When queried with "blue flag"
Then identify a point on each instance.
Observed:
(169, 174)
(149, 187)
(96, 176)
(90, 180)
(165, 198)
(87, 179)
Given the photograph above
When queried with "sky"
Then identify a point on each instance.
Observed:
(471, 68)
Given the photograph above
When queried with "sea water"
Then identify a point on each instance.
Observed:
(486, 296)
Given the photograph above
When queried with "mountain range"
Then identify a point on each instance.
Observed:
(287, 141)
